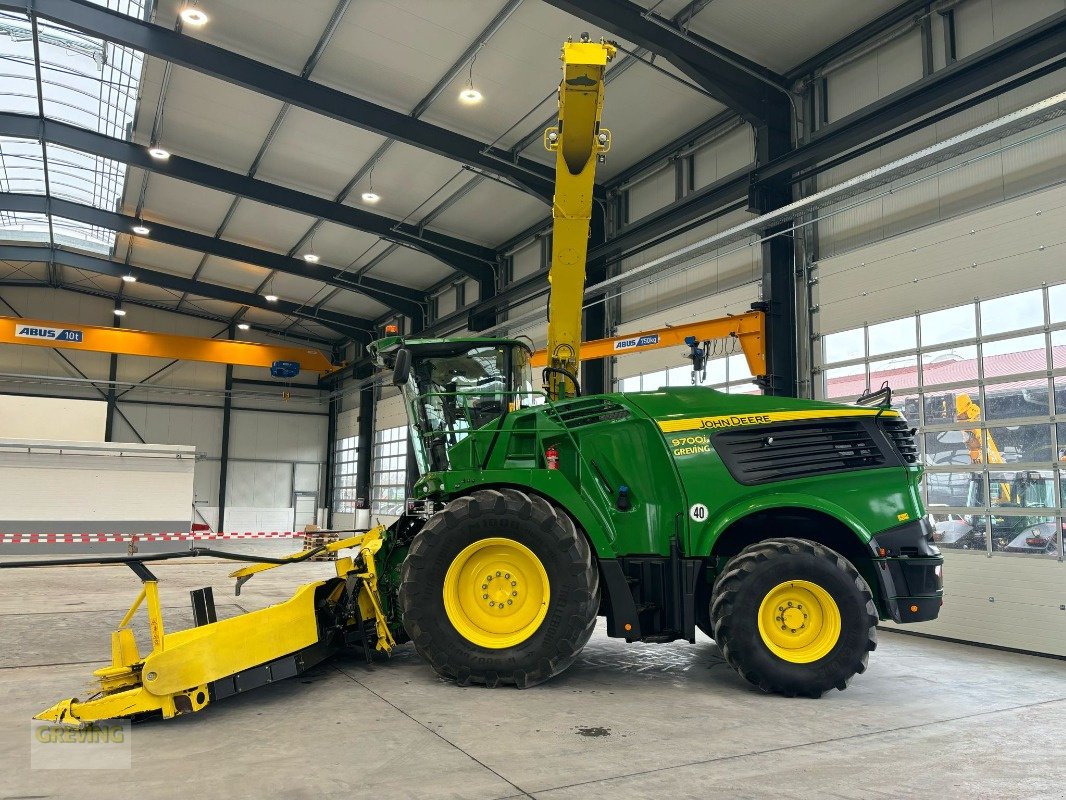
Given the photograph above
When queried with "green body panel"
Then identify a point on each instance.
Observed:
(666, 473)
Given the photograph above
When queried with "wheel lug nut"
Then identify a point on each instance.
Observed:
(793, 630)
(489, 578)
(492, 602)
(514, 583)
(484, 586)
(513, 594)
(507, 575)
(509, 602)
(497, 573)
(484, 597)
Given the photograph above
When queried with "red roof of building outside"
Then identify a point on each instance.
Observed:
(949, 372)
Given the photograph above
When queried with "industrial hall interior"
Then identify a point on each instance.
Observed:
(499, 399)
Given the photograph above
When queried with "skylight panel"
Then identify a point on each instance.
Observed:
(84, 82)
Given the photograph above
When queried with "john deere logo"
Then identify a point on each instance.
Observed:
(51, 334)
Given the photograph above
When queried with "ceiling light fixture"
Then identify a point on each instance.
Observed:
(158, 153)
(129, 278)
(311, 258)
(243, 326)
(193, 15)
(141, 230)
(119, 312)
(270, 298)
(370, 196)
(469, 96)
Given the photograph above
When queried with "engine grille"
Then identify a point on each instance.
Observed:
(901, 434)
(798, 451)
(578, 413)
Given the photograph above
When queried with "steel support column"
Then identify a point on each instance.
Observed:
(778, 267)
(331, 456)
(595, 377)
(364, 457)
(223, 466)
(112, 394)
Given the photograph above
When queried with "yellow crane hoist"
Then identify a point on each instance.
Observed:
(578, 142)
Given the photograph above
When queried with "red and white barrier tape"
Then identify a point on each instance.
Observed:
(94, 538)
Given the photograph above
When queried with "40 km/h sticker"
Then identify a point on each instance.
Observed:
(698, 513)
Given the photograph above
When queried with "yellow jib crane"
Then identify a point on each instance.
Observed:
(578, 142)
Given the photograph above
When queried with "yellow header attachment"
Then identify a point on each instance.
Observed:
(579, 142)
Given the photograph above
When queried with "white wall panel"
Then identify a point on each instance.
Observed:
(348, 423)
(526, 261)
(1024, 162)
(980, 23)
(446, 302)
(733, 265)
(108, 483)
(253, 484)
(733, 301)
(205, 483)
(390, 413)
(277, 436)
(1005, 601)
(23, 417)
(724, 155)
(932, 267)
(652, 193)
(875, 75)
(200, 427)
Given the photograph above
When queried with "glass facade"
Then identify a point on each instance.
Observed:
(389, 471)
(345, 464)
(984, 382)
(730, 374)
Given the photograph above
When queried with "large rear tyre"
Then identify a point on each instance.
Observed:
(794, 617)
(499, 587)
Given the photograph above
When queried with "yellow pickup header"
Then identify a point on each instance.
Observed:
(765, 418)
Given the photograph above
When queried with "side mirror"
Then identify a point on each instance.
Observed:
(401, 370)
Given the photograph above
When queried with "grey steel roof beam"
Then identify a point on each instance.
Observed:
(191, 311)
(396, 297)
(1045, 41)
(757, 93)
(360, 330)
(268, 80)
(475, 260)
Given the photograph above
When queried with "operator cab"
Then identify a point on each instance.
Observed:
(455, 388)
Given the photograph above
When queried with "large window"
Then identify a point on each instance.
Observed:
(983, 382)
(389, 471)
(345, 463)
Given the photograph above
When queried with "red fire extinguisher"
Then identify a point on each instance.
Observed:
(551, 455)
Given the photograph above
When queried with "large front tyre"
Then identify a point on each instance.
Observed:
(499, 587)
(794, 617)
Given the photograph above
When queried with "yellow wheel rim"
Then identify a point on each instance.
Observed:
(496, 593)
(799, 621)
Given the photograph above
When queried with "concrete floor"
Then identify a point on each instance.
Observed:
(929, 719)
